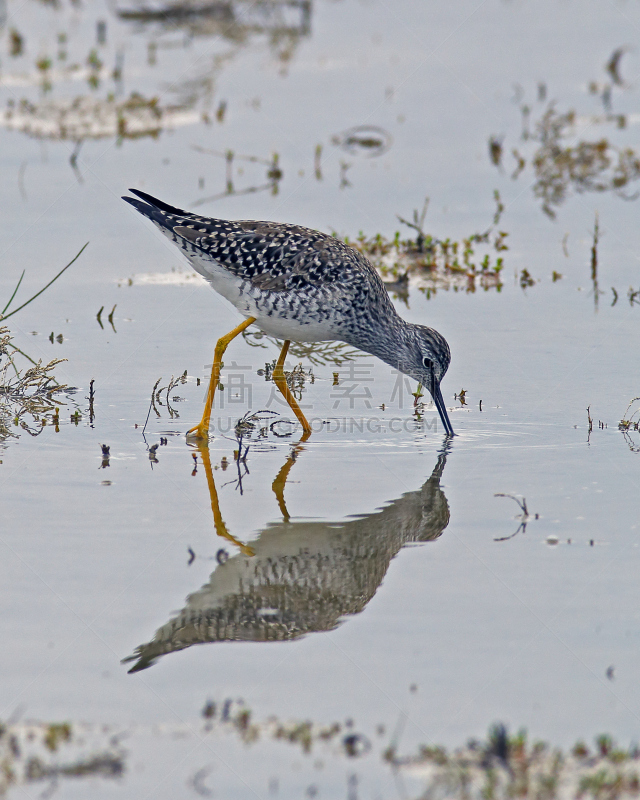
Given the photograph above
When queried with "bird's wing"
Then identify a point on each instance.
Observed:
(272, 256)
(276, 257)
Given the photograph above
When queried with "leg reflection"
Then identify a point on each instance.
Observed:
(221, 528)
(277, 486)
(281, 478)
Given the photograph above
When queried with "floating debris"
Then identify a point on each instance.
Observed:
(525, 280)
(173, 278)
(364, 140)
(524, 517)
(286, 20)
(613, 65)
(356, 745)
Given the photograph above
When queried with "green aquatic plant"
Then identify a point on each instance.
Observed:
(5, 316)
(473, 262)
(506, 767)
(56, 734)
(630, 425)
(16, 43)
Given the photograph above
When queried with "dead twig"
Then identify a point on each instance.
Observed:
(524, 517)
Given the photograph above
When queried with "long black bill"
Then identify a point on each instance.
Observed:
(437, 399)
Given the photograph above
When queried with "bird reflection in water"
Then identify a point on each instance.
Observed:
(298, 577)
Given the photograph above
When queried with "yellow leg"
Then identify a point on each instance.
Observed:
(281, 478)
(281, 382)
(221, 528)
(201, 431)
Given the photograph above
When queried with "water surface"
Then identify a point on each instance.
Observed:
(368, 583)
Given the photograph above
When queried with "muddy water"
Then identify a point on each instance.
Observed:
(371, 571)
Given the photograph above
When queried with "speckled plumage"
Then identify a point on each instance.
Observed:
(281, 271)
(302, 285)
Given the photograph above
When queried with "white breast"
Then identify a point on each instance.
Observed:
(240, 294)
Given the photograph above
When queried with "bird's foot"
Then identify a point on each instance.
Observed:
(199, 432)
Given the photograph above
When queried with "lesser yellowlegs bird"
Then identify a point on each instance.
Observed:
(299, 285)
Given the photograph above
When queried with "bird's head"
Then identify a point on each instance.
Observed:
(426, 358)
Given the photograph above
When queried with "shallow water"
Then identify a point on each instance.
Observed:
(387, 581)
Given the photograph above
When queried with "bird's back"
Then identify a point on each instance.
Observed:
(272, 256)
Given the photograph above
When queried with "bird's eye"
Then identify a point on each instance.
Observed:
(427, 362)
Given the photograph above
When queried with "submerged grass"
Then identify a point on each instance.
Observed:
(40, 752)
(630, 425)
(27, 393)
(563, 163)
(510, 766)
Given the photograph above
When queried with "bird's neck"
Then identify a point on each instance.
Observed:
(389, 345)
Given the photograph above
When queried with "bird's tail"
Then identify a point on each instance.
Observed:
(166, 217)
(154, 203)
